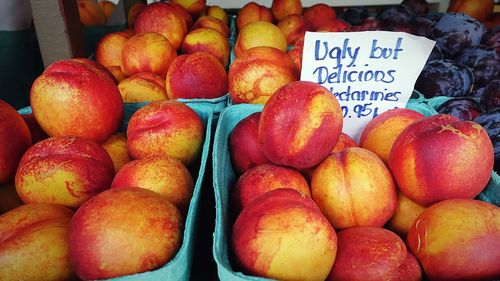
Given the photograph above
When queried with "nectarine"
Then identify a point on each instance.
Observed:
(300, 125)
(15, 139)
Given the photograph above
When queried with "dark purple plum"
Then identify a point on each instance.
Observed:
(421, 26)
(484, 62)
(477, 92)
(420, 7)
(436, 54)
(397, 16)
(445, 78)
(490, 97)
(472, 56)
(464, 108)
(355, 15)
(486, 70)
(490, 120)
(492, 38)
(456, 32)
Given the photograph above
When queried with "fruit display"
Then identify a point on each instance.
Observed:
(103, 176)
(165, 34)
(371, 207)
(68, 188)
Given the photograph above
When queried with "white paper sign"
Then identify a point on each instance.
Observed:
(369, 72)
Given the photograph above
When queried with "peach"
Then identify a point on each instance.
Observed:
(284, 8)
(162, 18)
(107, 7)
(263, 178)
(143, 87)
(194, 7)
(71, 98)
(441, 157)
(37, 133)
(251, 12)
(117, 73)
(9, 199)
(367, 253)
(295, 53)
(111, 223)
(116, 147)
(63, 170)
(405, 214)
(300, 124)
(259, 33)
(207, 40)
(258, 73)
(457, 239)
(197, 75)
(147, 52)
(381, 132)
(90, 13)
(482, 10)
(168, 128)
(354, 188)
(283, 235)
(218, 13)
(244, 145)
(318, 15)
(213, 23)
(293, 27)
(344, 142)
(15, 139)
(133, 11)
(109, 48)
(164, 175)
(183, 13)
(34, 243)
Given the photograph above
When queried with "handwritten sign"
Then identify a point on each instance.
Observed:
(369, 72)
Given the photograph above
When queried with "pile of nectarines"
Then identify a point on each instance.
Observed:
(263, 62)
(75, 190)
(401, 205)
(172, 50)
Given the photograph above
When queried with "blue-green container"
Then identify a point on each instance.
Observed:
(20, 64)
(215, 104)
(179, 268)
(224, 179)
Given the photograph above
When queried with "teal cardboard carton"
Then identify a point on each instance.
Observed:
(179, 268)
(224, 179)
